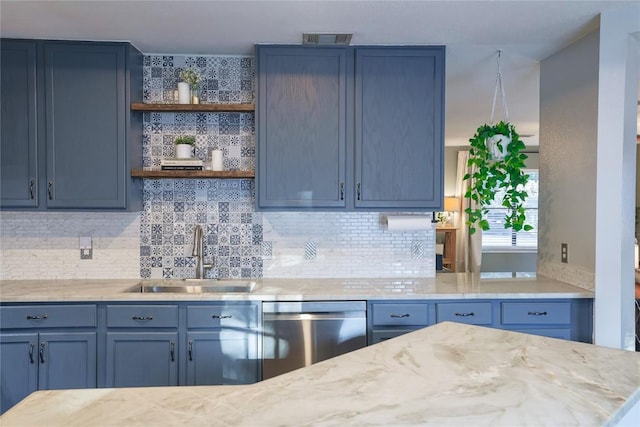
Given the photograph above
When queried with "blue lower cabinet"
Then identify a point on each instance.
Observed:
(67, 360)
(55, 360)
(46, 346)
(19, 368)
(142, 359)
(570, 319)
(222, 357)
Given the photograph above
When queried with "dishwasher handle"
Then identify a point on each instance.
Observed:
(339, 315)
(313, 306)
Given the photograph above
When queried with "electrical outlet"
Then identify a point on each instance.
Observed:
(564, 252)
(86, 247)
(86, 253)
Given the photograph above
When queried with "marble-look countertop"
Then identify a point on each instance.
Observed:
(446, 374)
(443, 286)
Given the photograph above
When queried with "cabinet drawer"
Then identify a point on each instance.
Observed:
(48, 316)
(222, 315)
(400, 314)
(473, 313)
(383, 335)
(142, 316)
(536, 313)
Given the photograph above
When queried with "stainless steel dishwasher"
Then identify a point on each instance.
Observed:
(297, 334)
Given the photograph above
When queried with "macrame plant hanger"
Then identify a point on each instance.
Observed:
(503, 95)
(497, 144)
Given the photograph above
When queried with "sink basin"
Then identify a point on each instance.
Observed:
(194, 286)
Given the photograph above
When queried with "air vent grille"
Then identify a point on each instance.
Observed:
(326, 39)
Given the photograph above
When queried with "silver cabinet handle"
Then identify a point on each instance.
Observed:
(342, 191)
(221, 316)
(144, 318)
(41, 352)
(399, 316)
(36, 317)
(537, 313)
(173, 351)
(464, 314)
(358, 190)
(190, 351)
(31, 354)
(50, 189)
(32, 183)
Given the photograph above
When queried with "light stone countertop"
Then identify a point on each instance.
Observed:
(443, 286)
(446, 374)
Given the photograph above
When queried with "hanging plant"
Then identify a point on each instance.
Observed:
(496, 153)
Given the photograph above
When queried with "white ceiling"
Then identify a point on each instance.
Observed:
(473, 31)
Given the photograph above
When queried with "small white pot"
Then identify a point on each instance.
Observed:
(493, 147)
(184, 93)
(183, 151)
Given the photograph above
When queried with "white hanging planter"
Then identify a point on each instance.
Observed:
(183, 151)
(497, 145)
(184, 93)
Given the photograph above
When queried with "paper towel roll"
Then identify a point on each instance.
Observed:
(400, 223)
(217, 163)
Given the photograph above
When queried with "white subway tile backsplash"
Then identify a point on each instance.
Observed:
(568, 274)
(45, 245)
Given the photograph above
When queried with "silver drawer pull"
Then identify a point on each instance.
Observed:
(537, 313)
(399, 316)
(142, 317)
(464, 314)
(220, 316)
(36, 317)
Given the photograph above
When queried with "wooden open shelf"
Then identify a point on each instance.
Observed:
(159, 174)
(220, 108)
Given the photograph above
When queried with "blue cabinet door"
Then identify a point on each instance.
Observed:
(301, 127)
(67, 360)
(399, 138)
(85, 132)
(18, 368)
(142, 359)
(222, 357)
(18, 142)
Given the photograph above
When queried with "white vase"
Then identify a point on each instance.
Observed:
(184, 93)
(183, 151)
(494, 148)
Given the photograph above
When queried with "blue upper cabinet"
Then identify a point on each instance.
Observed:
(301, 129)
(87, 139)
(19, 157)
(350, 128)
(399, 138)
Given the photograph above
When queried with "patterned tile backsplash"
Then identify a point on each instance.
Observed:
(243, 243)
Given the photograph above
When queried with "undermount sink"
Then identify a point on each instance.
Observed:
(194, 286)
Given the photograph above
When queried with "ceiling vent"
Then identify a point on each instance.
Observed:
(326, 39)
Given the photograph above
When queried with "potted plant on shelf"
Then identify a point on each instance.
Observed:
(497, 164)
(188, 86)
(184, 146)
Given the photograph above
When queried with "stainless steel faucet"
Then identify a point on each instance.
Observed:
(198, 252)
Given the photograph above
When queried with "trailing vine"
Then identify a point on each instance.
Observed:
(498, 166)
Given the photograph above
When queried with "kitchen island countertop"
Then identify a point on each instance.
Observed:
(443, 286)
(446, 374)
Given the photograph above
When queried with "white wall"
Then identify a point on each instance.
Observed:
(568, 154)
